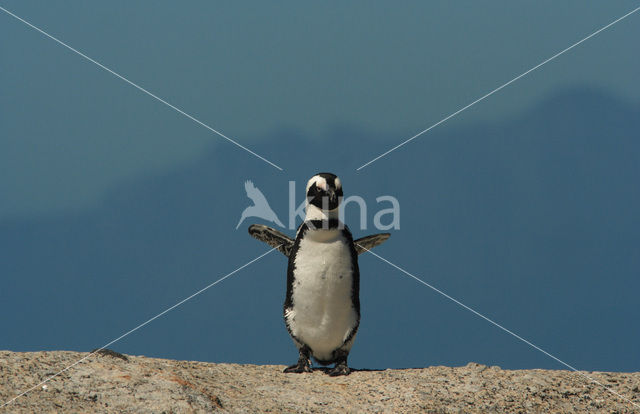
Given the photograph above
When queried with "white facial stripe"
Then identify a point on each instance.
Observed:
(319, 181)
(338, 183)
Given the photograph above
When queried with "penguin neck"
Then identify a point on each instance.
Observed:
(315, 213)
(322, 225)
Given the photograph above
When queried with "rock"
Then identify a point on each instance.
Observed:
(109, 382)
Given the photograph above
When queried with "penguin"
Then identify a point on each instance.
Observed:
(322, 303)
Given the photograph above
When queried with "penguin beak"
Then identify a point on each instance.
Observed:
(326, 200)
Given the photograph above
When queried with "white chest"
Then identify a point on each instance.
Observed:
(323, 312)
(323, 261)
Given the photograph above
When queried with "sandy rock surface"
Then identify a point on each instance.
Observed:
(130, 384)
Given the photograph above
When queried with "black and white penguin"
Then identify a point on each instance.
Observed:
(322, 306)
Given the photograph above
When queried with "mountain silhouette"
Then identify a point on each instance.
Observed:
(532, 220)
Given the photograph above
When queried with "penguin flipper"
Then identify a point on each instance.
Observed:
(369, 242)
(272, 237)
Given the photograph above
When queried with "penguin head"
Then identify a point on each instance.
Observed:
(324, 191)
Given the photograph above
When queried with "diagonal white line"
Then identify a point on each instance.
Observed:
(140, 88)
(498, 88)
(138, 327)
(499, 326)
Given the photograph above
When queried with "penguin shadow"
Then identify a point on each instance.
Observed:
(326, 370)
(367, 369)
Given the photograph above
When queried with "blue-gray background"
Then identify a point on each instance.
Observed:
(114, 207)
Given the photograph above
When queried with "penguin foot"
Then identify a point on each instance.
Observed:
(304, 362)
(297, 369)
(339, 369)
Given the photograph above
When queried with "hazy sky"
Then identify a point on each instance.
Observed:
(114, 207)
(70, 130)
